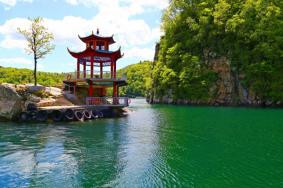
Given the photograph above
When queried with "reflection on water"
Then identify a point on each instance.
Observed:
(153, 146)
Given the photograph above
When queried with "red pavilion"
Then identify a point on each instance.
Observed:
(95, 74)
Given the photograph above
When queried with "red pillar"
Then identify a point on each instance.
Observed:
(78, 68)
(91, 67)
(85, 69)
(114, 70)
(114, 89)
(101, 70)
(111, 69)
(90, 88)
(115, 99)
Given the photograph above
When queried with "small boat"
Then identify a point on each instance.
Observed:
(79, 115)
(69, 114)
(96, 114)
(87, 114)
(100, 114)
(56, 115)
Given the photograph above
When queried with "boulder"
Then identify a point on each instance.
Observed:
(33, 98)
(72, 98)
(34, 89)
(54, 91)
(46, 102)
(10, 102)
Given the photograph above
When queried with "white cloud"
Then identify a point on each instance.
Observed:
(10, 43)
(9, 30)
(128, 33)
(72, 2)
(18, 62)
(141, 53)
(11, 3)
(130, 7)
(160, 4)
(113, 17)
(15, 61)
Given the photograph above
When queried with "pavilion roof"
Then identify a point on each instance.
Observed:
(99, 55)
(93, 37)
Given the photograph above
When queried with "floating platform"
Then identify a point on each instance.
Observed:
(77, 107)
(70, 113)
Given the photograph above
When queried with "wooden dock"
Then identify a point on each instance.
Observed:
(80, 107)
(71, 113)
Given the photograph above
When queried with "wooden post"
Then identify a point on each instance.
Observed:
(91, 66)
(101, 70)
(111, 69)
(85, 69)
(75, 87)
(90, 88)
(115, 69)
(78, 68)
(114, 89)
(115, 100)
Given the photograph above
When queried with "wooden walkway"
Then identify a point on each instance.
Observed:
(80, 107)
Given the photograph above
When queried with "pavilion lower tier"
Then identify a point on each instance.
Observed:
(96, 87)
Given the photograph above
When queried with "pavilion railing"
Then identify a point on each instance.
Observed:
(124, 101)
(87, 75)
(82, 75)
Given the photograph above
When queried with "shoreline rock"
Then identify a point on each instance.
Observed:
(228, 90)
(10, 102)
(14, 99)
(217, 103)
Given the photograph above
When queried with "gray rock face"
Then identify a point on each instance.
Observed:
(72, 98)
(53, 91)
(10, 102)
(226, 82)
(34, 89)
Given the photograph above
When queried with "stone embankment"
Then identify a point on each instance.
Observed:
(14, 99)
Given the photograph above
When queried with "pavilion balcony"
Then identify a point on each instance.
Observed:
(108, 101)
(97, 75)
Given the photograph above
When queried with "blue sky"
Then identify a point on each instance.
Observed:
(134, 23)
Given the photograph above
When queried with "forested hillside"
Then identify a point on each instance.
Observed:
(138, 78)
(220, 51)
(24, 76)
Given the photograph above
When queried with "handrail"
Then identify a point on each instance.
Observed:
(124, 101)
(87, 75)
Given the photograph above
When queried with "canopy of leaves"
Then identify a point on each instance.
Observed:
(138, 78)
(38, 38)
(248, 32)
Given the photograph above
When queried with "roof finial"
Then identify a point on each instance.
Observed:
(97, 31)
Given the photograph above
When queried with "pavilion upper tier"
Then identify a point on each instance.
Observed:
(97, 51)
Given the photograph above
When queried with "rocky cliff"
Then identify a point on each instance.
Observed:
(228, 90)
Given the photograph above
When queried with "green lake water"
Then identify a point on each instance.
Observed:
(154, 146)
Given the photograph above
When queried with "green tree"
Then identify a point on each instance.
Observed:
(138, 79)
(38, 41)
(249, 33)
